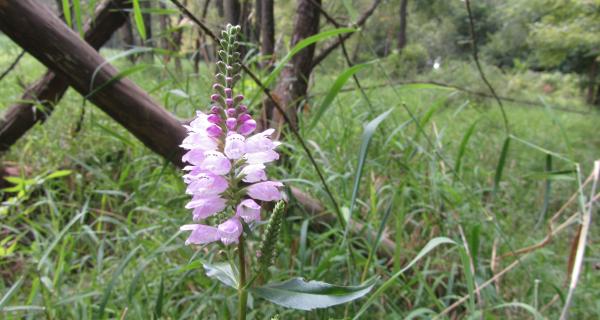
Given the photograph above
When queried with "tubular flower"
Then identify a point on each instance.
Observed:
(226, 163)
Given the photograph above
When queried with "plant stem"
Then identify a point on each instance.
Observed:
(242, 293)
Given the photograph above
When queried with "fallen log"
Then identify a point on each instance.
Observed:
(43, 35)
(38, 101)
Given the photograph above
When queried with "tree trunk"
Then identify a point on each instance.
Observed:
(128, 37)
(164, 27)
(267, 30)
(146, 5)
(257, 22)
(201, 41)
(402, 32)
(592, 73)
(176, 45)
(293, 82)
(36, 29)
(220, 8)
(48, 90)
(232, 11)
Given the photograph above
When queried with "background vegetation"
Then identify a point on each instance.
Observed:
(90, 218)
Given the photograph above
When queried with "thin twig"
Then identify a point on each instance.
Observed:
(342, 42)
(459, 88)
(287, 120)
(483, 77)
(332, 46)
(12, 65)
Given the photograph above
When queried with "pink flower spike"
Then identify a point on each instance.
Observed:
(229, 231)
(234, 146)
(260, 157)
(265, 191)
(231, 123)
(247, 127)
(216, 162)
(253, 173)
(201, 234)
(248, 210)
(214, 131)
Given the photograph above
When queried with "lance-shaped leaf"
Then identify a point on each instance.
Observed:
(222, 272)
(296, 293)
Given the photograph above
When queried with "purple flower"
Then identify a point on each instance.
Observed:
(265, 191)
(216, 162)
(253, 173)
(230, 230)
(248, 210)
(235, 146)
(201, 234)
(206, 207)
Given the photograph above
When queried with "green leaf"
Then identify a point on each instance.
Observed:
(432, 244)
(333, 92)
(66, 6)
(299, 294)
(113, 282)
(501, 163)
(222, 272)
(78, 16)
(362, 156)
(58, 174)
(6, 297)
(139, 20)
(463, 146)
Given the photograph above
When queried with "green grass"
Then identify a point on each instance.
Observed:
(103, 240)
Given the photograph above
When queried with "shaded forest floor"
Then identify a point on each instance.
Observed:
(92, 224)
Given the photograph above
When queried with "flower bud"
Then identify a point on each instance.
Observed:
(214, 130)
(231, 112)
(239, 98)
(229, 102)
(247, 127)
(244, 117)
(215, 110)
(228, 92)
(231, 123)
(242, 108)
(214, 118)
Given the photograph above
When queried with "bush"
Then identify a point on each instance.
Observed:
(411, 60)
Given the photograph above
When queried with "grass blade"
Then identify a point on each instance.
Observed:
(501, 164)
(362, 156)
(113, 281)
(139, 20)
(585, 227)
(78, 16)
(333, 92)
(66, 7)
(463, 146)
(10, 292)
(432, 244)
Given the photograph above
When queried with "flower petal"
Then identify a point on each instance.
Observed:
(265, 191)
(248, 210)
(201, 234)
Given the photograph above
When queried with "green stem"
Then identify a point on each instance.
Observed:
(242, 293)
